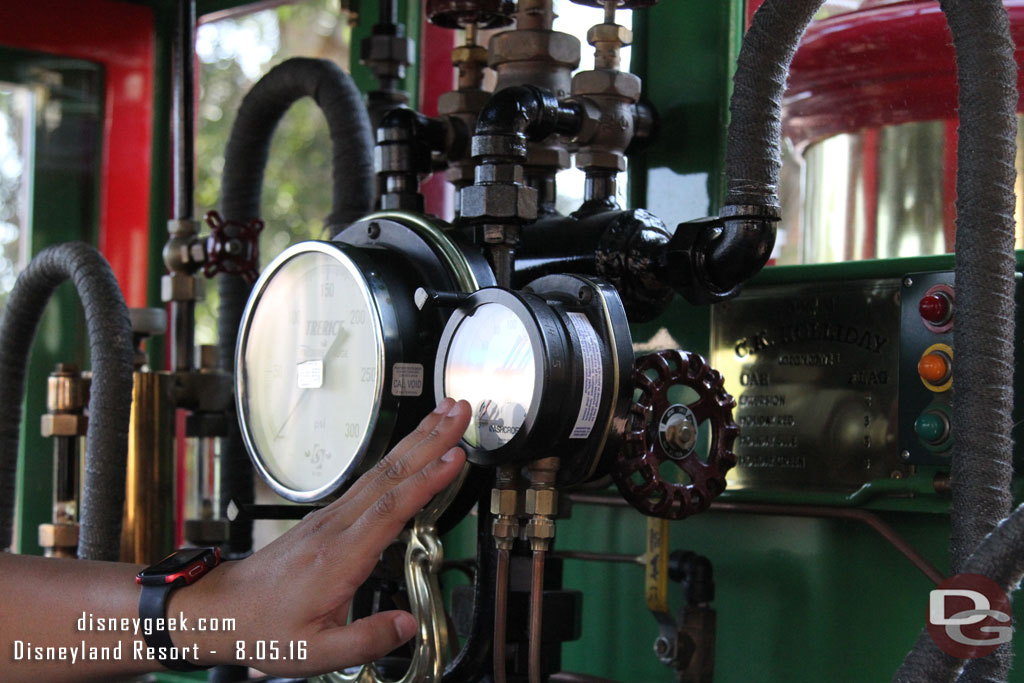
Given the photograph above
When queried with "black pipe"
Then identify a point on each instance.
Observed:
(244, 162)
(716, 257)
(183, 99)
(112, 353)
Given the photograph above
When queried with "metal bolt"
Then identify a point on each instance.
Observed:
(662, 647)
(586, 295)
(373, 232)
(908, 282)
(905, 455)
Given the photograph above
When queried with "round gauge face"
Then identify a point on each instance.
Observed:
(310, 363)
(491, 363)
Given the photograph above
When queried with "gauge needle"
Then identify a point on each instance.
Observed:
(291, 412)
(336, 344)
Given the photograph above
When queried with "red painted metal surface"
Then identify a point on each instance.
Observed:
(752, 6)
(436, 77)
(890, 63)
(119, 36)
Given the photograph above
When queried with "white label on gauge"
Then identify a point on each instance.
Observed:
(310, 374)
(407, 379)
(590, 346)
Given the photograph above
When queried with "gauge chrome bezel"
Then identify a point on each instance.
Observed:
(386, 346)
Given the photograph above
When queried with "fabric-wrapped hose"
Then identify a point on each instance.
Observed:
(111, 350)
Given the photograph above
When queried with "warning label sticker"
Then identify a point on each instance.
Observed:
(590, 346)
(406, 379)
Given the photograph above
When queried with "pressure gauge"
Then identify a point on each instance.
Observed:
(546, 370)
(330, 363)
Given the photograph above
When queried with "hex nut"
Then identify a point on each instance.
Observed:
(384, 48)
(607, 82)
(609, 33)
(499, 201)
(541, 501)
(63, 424)
(181, 287)
(505, 528)
(540, 528)
(58, 535)
(587, 159)
(529, 45)
(456, 102)
(504, 502)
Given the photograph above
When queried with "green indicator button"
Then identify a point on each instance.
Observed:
(931, 426)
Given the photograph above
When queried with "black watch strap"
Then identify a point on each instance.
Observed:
(178, 569)
(153, 606)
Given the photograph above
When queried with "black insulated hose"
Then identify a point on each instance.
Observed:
(245, 160)
(982, 465)
(110, 346)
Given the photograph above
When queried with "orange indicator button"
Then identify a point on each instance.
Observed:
(934, 367)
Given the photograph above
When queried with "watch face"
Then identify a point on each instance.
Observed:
(175, 562)
(490, 362)
(310, 368)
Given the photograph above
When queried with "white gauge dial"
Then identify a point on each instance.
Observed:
(310, 363)
(491, 364)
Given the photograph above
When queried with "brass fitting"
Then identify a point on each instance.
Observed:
(181, 287)
(63, 424)
(66, 391)
(58, 540)
(504, 502)
(541, 502)
(505, 508)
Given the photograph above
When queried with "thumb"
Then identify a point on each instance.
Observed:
(364, 640)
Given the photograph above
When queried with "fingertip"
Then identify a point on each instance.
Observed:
(444, 406)
(459, 408)
(405, 626)
(453, 455)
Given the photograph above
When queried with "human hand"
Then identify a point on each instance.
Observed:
(299, 587)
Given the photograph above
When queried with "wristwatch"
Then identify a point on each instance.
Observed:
(180, 568)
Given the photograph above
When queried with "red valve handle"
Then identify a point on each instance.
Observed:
(636, 469)
(233, 247)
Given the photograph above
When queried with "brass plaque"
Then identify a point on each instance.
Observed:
(814, 369)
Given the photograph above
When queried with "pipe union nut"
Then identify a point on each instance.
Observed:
(499, 201)
(610, 33)
(541, 501)
(504, 501)
(607, 82)
(529, 45)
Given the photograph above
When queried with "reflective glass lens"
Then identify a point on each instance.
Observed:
(491, 364)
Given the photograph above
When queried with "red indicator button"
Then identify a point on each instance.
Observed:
(935, 308)
(934, 367)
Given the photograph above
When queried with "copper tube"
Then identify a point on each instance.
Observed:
(869, 518)
(500, 615)
(536, 614)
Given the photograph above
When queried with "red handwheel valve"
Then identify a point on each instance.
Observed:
(665, 432)
(233, 247)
